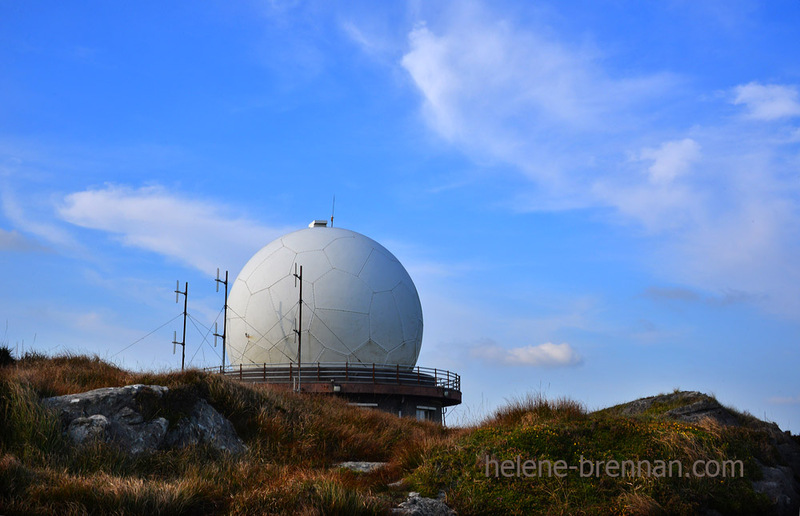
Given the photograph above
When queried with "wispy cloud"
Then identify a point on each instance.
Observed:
(198, 233)
(511, 94)
(43, 228)
(716, 199)
(671, 160)
(13, 241)
(543, 355)
(692, 296)
(768, 101)
(785, 400)
(659, 197)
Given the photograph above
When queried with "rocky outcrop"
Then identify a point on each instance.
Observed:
(780, 486)
(689, 406)
(780, 483)
(417, 505)
(135, 418)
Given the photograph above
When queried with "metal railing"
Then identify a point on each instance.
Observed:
(343, 372)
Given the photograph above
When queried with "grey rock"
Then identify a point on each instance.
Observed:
(779, 486)
(205, 426)
(109, 401)
(695, 406)
(703, 409)
(127, 417)
(361, 466)
(417, 505)
(130, 416)
(84, 430)
(141, 437)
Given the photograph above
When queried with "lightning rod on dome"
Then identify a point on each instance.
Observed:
(333, 208)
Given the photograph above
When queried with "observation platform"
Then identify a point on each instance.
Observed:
(421, 392)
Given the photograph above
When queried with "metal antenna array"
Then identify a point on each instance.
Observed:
(185, 314)
(299, 328)
(224, 319)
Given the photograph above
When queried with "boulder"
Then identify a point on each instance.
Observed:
(779, 486)
(204, 425)
(417, 505)
(87, 429)
(131, 418)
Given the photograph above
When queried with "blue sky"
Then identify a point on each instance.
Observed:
(595, 199)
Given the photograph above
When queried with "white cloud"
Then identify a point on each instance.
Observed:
(456, 69)
(727, 221)
(750, 246)
(357, 35)
(656, 208)
(543, 355)
(44, 230)
(768, 101)
(671, 160)
(502, 92)
(724, 219)
(656, 198)
(194, 232)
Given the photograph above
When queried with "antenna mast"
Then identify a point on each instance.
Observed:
(224, 319)
(175, 342)
(333, 208)
(299, 323)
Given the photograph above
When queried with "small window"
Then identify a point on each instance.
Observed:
(365, 405)
(425, 413)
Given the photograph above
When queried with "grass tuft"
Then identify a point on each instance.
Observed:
(534, 407)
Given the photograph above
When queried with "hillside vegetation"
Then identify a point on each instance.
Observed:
(295, 441)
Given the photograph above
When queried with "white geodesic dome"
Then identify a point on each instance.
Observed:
(359, 303)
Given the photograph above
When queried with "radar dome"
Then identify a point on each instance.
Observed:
(359, 303)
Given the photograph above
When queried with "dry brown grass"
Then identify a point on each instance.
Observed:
(65, 374)
(307, 491)
(534, 407)
(639, 504)
(294, 440)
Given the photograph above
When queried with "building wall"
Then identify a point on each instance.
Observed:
(403, 406)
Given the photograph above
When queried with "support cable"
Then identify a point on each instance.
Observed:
(141, 339)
